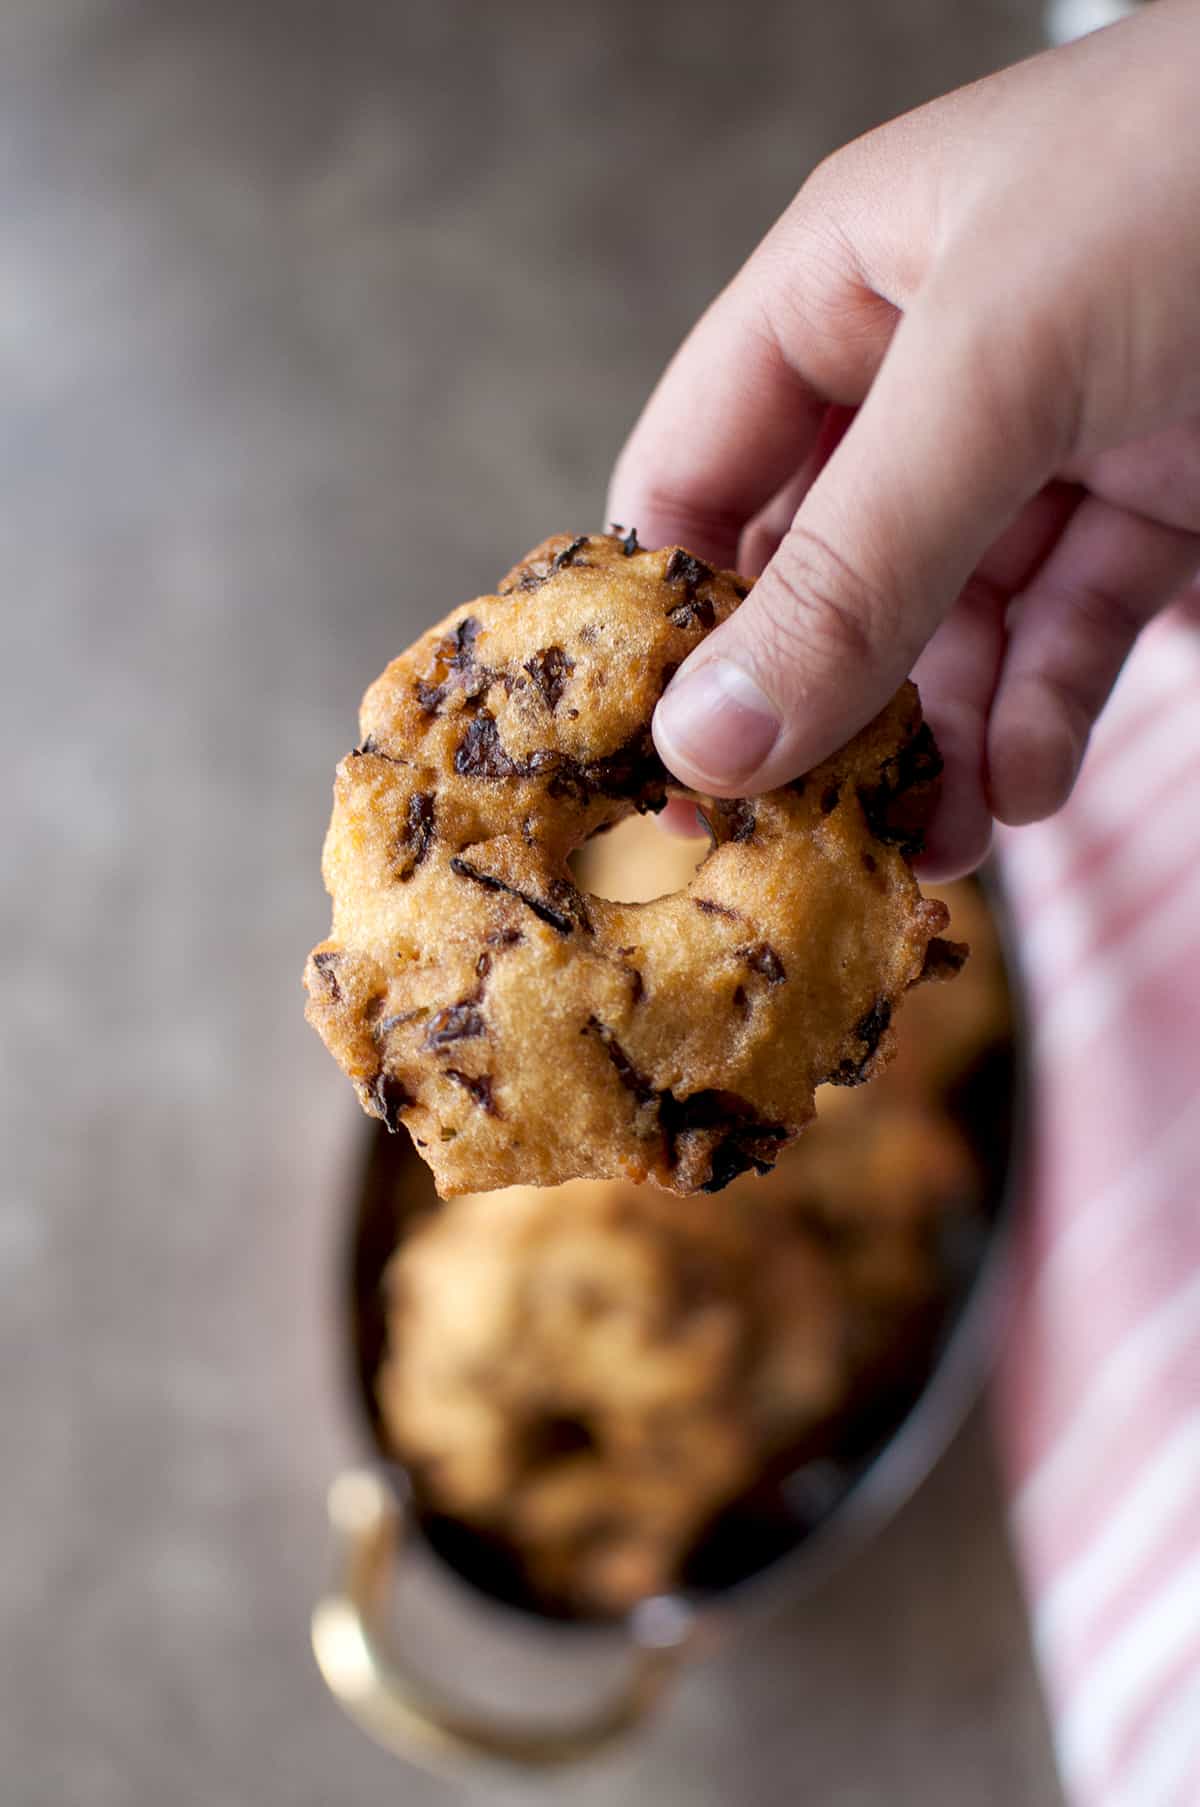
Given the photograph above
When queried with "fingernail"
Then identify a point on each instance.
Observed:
(716, 722)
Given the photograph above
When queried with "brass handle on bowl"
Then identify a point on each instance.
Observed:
(370, 1683)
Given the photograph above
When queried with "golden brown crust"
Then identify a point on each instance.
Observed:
(527, 1033)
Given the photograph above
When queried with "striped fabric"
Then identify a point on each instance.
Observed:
(1098, 1394)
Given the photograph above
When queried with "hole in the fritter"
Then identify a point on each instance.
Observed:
(555, 1437)
(641, 859)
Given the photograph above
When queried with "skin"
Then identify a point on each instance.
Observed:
(950, 410)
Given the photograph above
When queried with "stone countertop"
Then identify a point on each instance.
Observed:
(312, 318)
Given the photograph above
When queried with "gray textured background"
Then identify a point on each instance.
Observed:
(313, 316)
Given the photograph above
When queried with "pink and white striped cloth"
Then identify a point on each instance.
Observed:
(1098, 1394)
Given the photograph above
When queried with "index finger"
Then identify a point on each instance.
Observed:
(805, 323)
(728, 423)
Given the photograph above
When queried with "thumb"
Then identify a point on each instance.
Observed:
(967, 418)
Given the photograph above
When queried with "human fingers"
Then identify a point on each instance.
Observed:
(1069, 635)
(953, 440)
(762, 537)
(805, 322)
(957, 675)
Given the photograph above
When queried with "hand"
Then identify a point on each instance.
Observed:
(952, 405)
